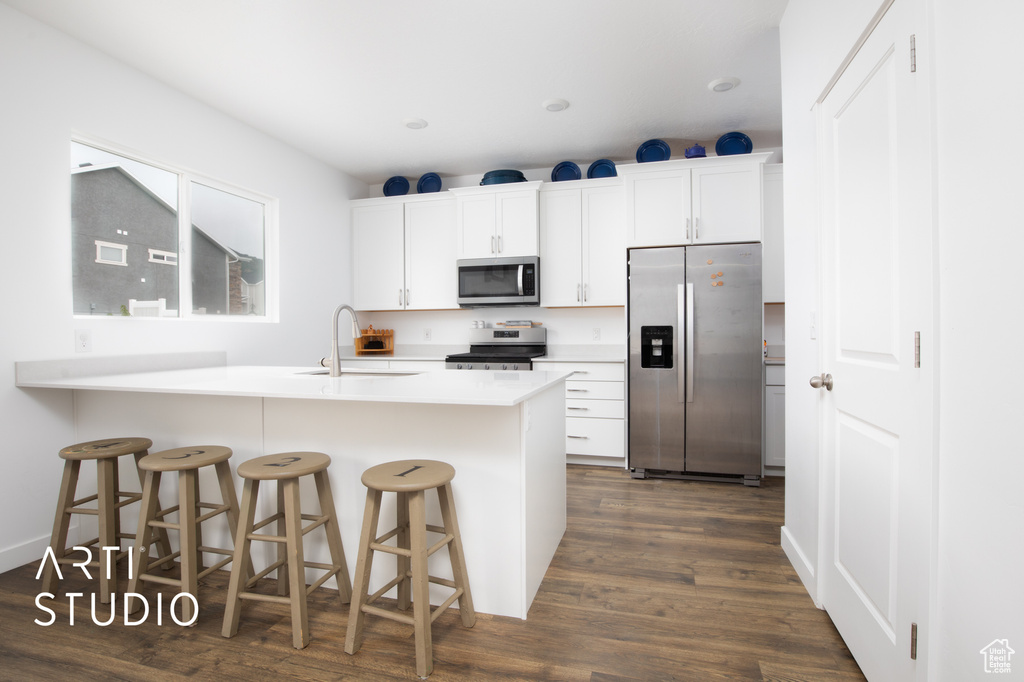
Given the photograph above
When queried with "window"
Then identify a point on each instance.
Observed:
(111, 254)
(143, 217)
(165, 257)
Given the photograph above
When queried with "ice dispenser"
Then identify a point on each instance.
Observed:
(656, 347)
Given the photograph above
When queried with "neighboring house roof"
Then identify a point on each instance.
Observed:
(234, 255)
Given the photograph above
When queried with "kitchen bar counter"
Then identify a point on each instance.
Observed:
(504, 432)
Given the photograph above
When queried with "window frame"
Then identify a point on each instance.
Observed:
(169, 257)
(186, 177)
(123, 248)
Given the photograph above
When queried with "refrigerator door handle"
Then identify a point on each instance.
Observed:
(690, 369)
(681, 315)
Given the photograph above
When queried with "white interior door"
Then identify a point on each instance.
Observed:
(875, 294)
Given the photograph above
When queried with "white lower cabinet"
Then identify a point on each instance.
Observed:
(774, 419)
(595, 426)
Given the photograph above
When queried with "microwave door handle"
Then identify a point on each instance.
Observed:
(521, 268)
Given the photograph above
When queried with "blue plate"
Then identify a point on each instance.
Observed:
(653, 150)
(396, 186)
(429, 182)
(567, 170)
(602, 168)
(733, 143)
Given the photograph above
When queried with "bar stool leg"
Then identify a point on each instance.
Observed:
(143, 536)
(455, 553)
(162, 540)
(361, 584)
(106, 487)
(404, 566)
(282, 547)
(420, 584)
(247, 513)
(323, 489)
(227, 494)
(61, 523)
(189, 559)
(297, 563)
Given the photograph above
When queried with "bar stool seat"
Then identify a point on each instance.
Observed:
(109, 501)
(186, 462)
(409, 479)
(287, 469)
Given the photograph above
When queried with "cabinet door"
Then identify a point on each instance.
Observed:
(560, 229)
(476, 222)
(430, 277)
(604, 246)
(659, 208)
(775, 426)
(727, 204)
(378, 256)
(517, 223)
(773, 285)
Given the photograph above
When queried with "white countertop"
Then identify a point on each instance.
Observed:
(367, 385)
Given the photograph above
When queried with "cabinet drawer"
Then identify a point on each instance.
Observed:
(598, 437)
(595, 390)
(775, 375)
(600, 409)
(586, 371)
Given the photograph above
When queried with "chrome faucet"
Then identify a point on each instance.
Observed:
(356, 334)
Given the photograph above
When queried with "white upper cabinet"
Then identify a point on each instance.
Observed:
(496, 220)
(583, 244)
(694, 201)
(403, 253)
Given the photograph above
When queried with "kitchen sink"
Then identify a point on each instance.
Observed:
(358, 373)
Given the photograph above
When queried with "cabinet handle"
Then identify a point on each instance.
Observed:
(577, 390)
(577, 293)
(406, 297)
(687, 229)
(585, 286)
(579, 437)
(400, 301)
(580, 371)
(584, 409)
(492, 244)
(696, 228)
(499, 244)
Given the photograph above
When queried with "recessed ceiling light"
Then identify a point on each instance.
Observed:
(414, 123)
(723, 84)
(555, 104)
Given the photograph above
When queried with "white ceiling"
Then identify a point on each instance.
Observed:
(336, 78)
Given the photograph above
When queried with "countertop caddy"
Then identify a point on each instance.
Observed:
(503, 432)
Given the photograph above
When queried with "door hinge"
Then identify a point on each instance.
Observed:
(913, 54)
(913, 641)
(917, 350)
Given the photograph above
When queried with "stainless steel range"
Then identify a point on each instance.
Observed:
(501, 349)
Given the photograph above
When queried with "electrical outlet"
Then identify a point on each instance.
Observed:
(83, 341)
(597, 333)
(426, 335)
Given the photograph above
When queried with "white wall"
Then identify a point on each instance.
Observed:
(815, 36)
(981, 459)
(978, 595)
(52, 86)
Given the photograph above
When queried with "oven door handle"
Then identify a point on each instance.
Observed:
(521, 268)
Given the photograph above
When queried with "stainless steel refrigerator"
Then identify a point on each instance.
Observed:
(695, 362)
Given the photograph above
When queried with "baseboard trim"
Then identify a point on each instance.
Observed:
(804, 568)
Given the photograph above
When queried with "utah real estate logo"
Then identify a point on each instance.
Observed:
(997, 656)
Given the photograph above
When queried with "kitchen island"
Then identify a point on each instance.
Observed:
(502, 431)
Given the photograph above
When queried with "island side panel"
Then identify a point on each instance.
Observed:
(544, 487)
(483, 443)
(170, 421)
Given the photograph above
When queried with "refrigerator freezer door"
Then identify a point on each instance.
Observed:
(657, 407)
(723, 419)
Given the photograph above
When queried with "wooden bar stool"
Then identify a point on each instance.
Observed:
(286, 468)
(186, 462)
(109, 500)
(409, 478)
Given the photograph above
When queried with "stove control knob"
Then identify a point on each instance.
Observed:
(504, 366)
(515, 367)
(458, 366)
(469, 366)
(487, 366)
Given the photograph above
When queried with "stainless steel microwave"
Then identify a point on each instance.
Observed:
(499, 281)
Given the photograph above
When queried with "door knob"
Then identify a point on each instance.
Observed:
(823, 380)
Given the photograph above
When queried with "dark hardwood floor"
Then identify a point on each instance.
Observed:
(654, 580)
